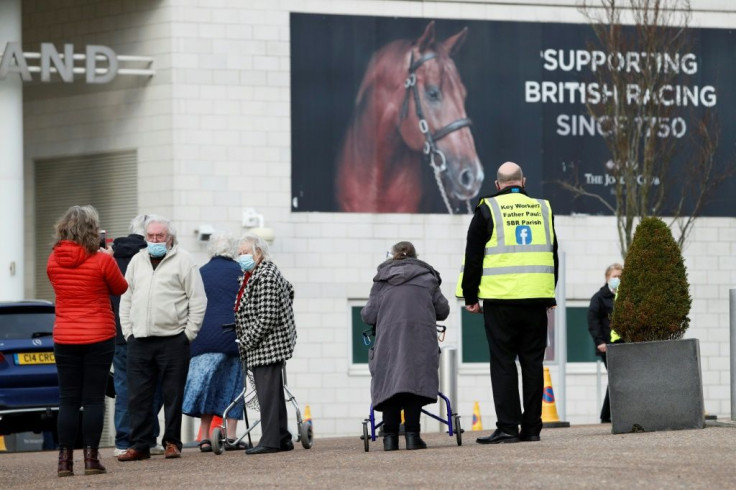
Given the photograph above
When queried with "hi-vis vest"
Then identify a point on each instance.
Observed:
(614, 335)
(519, 260)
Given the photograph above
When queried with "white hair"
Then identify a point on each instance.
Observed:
(170, 230)
(223, 245)
(257, 243)
(138, 225)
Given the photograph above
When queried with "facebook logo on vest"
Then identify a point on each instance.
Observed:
(523, 235)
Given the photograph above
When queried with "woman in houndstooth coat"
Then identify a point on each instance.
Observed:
(264, 324)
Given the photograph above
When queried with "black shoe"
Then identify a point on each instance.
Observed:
(262, 450)
(390, 442)
(498, 437)
(413, 441)
(529, 437)
(232, 445)
(286, 447)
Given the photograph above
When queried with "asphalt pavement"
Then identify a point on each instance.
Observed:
(585, 456)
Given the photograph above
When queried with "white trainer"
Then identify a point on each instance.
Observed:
(157, 450)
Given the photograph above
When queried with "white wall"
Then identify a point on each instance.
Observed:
(213, 133)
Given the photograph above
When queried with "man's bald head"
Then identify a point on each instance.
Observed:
(509, 174)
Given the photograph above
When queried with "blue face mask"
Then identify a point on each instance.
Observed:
(156, 250)
(246, 262)
(613, 283)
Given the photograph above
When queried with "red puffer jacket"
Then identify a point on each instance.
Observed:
(83, 283)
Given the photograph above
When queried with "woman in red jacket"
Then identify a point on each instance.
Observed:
(83, 277)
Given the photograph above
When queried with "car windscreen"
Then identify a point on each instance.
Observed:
(25, 324)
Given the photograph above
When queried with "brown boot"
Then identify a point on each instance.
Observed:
(66, 461)
(92, 465)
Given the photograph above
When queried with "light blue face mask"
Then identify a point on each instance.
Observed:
(246, 262)
(613, 283)
(156, 250)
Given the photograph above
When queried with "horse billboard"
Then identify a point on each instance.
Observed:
(408, 115)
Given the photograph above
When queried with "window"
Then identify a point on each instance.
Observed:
(580, 346)
(359, 349)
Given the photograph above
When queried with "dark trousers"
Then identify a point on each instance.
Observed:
(151, 359)
(517, 331)
(270, 391)
(83, 370)
(606, 409)
(411, 405)
(122, 418)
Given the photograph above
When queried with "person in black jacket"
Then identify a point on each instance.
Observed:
(511, 263)
(599, 322)
(124, 248)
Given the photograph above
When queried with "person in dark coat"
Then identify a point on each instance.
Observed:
(215, 374)
(124, 248)
(511, 263)
(599, 322)
(404, 306)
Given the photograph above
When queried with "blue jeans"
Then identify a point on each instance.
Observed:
(122, 417)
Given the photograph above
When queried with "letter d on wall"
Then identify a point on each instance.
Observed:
(112, 64)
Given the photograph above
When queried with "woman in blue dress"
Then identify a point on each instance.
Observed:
(215, 375)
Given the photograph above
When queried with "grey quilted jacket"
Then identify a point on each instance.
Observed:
(264, 319)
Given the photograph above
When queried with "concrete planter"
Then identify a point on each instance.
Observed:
(655, 386)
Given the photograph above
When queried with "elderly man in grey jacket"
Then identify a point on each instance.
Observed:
(160, 314)
(405, 305)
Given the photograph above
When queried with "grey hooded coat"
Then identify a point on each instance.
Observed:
(405, 305)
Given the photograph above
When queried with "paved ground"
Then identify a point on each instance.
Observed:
(577, 457)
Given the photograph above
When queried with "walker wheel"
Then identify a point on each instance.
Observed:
(218, 440)
(306, 435)
(458, 429)
(366, 437)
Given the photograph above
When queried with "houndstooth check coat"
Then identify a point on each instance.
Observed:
(264, 319)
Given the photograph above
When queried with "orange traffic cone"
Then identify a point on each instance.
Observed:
(477, 421)
(216, 422)
(549, 409)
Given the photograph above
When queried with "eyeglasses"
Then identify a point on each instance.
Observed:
(161, 237)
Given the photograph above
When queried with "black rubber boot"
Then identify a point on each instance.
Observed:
(390, 442)
(413, 441)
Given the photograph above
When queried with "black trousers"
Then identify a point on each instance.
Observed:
(151, 359)
(83, 370)
(411, 405)
(270, 392)
(606, 408)
(517, 331)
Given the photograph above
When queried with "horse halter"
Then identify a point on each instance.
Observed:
(430, 149)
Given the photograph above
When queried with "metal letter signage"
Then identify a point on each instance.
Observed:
(14, 60)
(112, 67)
(65, 67)
(14, 52)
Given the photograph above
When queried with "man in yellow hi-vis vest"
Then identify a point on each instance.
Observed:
(511, 264)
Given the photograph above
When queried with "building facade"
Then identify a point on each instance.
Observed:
(198, 124)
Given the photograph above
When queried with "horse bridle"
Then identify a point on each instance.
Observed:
(430, 149)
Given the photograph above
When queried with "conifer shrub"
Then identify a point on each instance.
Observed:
(653, 300)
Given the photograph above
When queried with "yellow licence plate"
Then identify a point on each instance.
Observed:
(35, 358)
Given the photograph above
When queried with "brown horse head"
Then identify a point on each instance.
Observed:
(442, 103)
(410, 112)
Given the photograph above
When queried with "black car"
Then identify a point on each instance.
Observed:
(29, 386)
